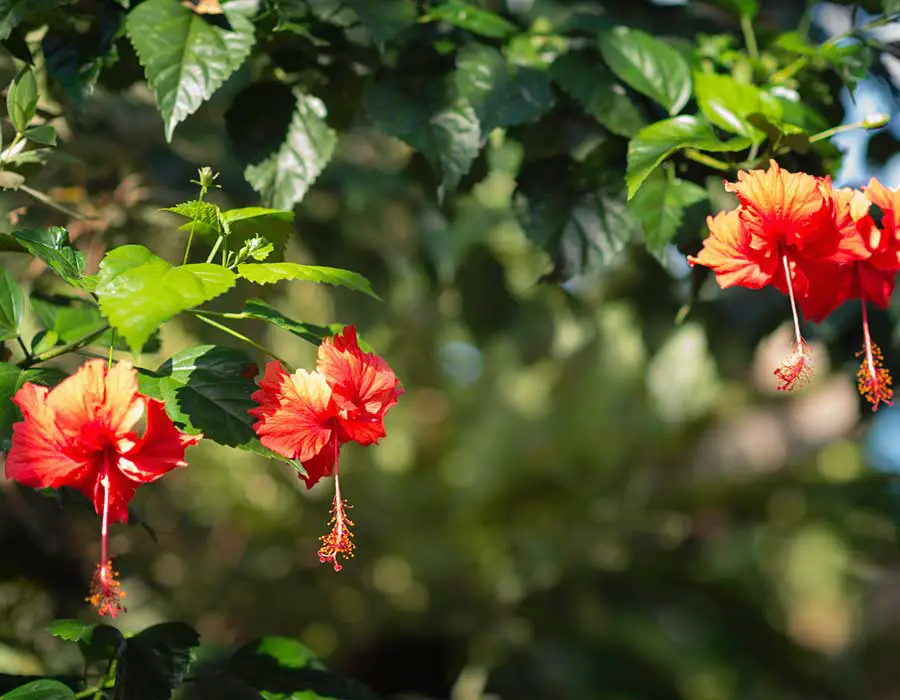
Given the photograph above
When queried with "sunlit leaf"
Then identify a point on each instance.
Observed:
(12, 305)
(269, 273)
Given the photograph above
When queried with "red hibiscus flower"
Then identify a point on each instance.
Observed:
(307, 416)
(81, 434)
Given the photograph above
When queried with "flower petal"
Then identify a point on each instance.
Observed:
(728, 251)
(42, 456)
(159, 450)
(296, 417)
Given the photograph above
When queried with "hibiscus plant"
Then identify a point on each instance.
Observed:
(607, 134)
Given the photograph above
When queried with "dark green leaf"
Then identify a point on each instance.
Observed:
(52, 246)
(12, 305)
(261, 310)
(659, 206)
(243, 224)
(588, 82)
(104, 642)
(648, 65)
(432, 119)
(502, 94)
(22, 99)
(41, 690)
(470, 17)
(208, 389)
(138, 291)
(13, 12)
(154, 662)
(656, 142)
(746, 8)
(285, 149)
(186, 58)
(44, 135)
(269, 273)
(385, 19)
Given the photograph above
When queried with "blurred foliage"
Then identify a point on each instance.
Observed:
(590, 490)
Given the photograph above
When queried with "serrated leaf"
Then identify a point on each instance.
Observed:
(502, 94)
(656, 142)
(203, 216)
(22, 99)
(472, 18)
(208, 389)
(727, 103)
(11, 380)
(433, 120)
(71, 630)
(74, 318)
(648, 65)
(385, 19)
(269, 273)
(659, 206)
(283, 159)
(315, 334)
(40, 690)
(12, 305)
(138, 291)
(585, 80)
(185, 58)
(154, 662)
(52, 246)
(43, 134)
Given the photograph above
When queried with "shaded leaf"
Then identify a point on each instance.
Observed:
(52, 246)
(468, 16)
(261, 310)
(40, 690)
(12, 305)
(71, 630)
(385, 19)
(588, 82)
(185, 58)
(269, 273)
(648, 65)
(13, 12)
(285, 154)
(154, 662)
(104, 642)
(44, 135)
(659, 206)
(502, 94)
(138, 291)
(656, 142)
(433, 120)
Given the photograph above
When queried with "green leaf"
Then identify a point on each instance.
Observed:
(203, 217)
(261, 310)
(12, 305)
(11, 380)
(433, 120)
(648, 65)
(44, 341)
(52, 246)
(138, 291)
(44, 134)
(104, 642)
(656, 142)
(269, 273)
(385, 19)
(14, 12)
(41, 690)
(71, 630)
(746, 8)
(284, 150)
(185, 58)
(154, 662)
(727, 103)
(472, 18)
(22, 99)
(588, 82)
(74, 318)
(502, 94)
(208, 389)
(659, 206)
(275, 225)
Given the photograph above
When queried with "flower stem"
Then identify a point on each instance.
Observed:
(215, 249)
(24, 348)
(187, 250)
(749, 37)
(239, 336)
(64, 349)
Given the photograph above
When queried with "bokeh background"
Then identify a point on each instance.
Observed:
(578, 497)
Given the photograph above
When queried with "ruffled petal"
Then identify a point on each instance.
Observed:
(41, 455)
(322, 463)
(296, 416)
(729, 252)
(159, 450)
